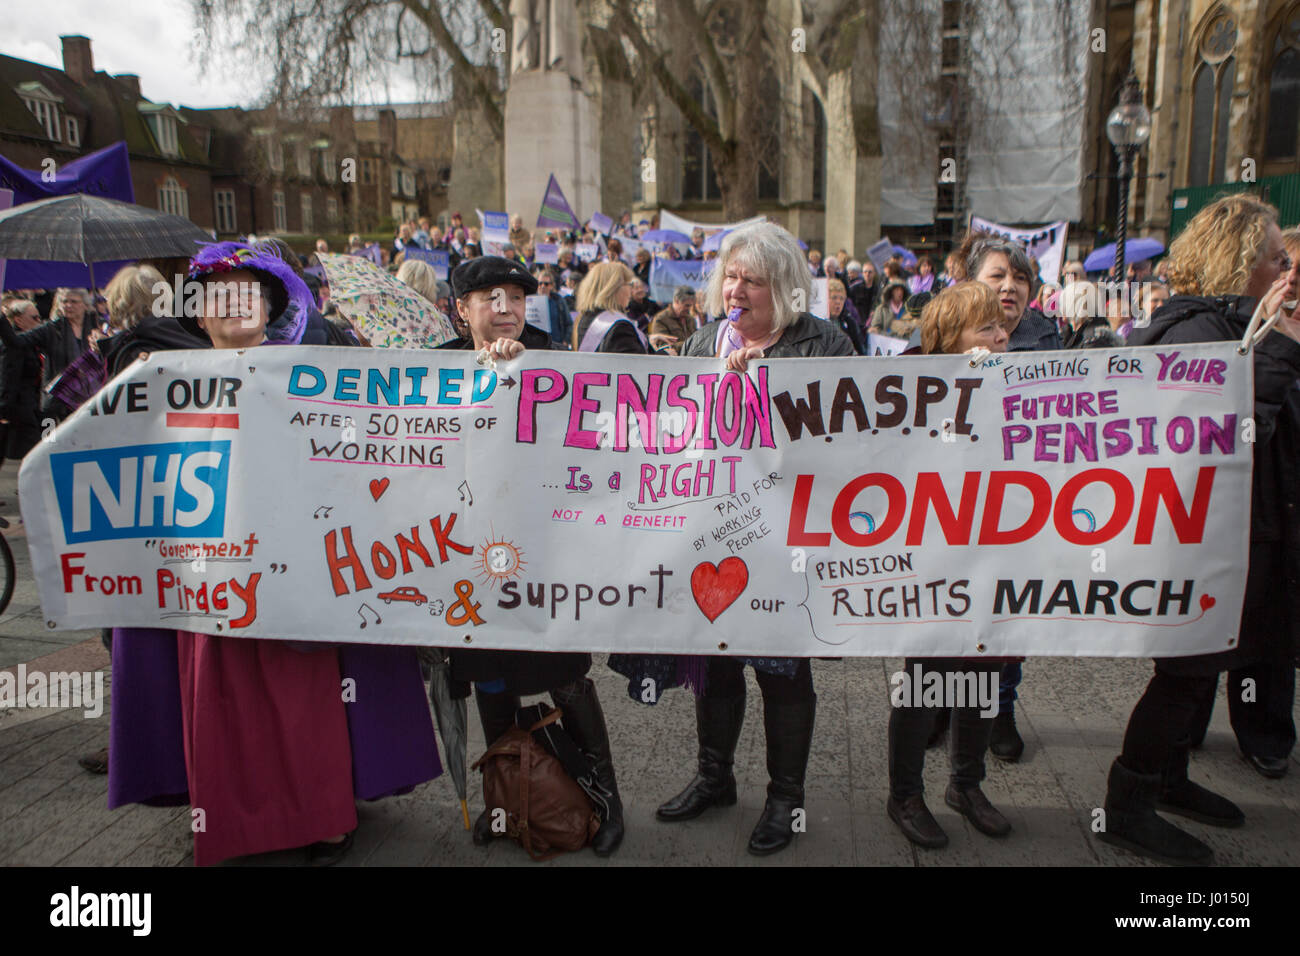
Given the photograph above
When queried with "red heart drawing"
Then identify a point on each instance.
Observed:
(1207, 602)
(715, 588)
(377, 487)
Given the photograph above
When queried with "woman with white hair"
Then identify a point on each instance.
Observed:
(760, 270)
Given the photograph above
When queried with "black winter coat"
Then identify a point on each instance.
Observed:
(1035, 333)
(525, 672)
(153, 334)
(54, 340)
(1271, 611)
(808, 337)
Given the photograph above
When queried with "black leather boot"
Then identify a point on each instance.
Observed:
(1133, 824)
(789, 740)
(497, 714)
(717, 721)
(1179, 795)
(1006, 743)
(585, 722)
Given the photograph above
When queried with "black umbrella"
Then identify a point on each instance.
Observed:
(87, 229)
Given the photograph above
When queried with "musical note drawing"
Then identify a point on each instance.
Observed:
(463, 488)
(317, 512)
(366, 607)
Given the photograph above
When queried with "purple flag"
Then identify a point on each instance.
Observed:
(105, 173)
(556, 213)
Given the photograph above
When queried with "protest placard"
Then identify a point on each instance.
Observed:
(884, 344)
(881, 253)
(601, 223)
(586, 251)
(546, 252)
(494, 227)
(667, 274)
(819, 303)
(438, 258)
(1046, 244)
(1046, 503)
(537, 312)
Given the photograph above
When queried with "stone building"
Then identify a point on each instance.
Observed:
(1222, 80)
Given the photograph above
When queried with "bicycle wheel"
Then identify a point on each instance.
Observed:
(7, 560)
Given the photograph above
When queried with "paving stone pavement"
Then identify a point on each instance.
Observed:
(1072, 715)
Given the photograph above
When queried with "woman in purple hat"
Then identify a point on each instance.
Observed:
(196, 715)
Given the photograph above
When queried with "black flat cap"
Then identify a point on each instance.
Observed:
(484, 272)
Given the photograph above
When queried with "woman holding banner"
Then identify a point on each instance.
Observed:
(272, 754)
(959, 319)
(759, 276)
(502, 677)
(1230, 257)
(1004, 267)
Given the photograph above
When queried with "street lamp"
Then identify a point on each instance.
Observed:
(1128, 128)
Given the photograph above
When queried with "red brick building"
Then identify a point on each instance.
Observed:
(231, 171)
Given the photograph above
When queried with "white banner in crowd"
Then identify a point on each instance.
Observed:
(885, 344)
(819, 303)
(1044, 243)
(669, 220)
(537, 312)
(1047, 503)
(585, 251)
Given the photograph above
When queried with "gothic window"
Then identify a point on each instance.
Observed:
(1212, 85)
(1280, 130)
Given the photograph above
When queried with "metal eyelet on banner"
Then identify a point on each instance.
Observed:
(722, 645)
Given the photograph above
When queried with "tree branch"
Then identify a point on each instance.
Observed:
(431, 17)
(714, 70)
(625, 23)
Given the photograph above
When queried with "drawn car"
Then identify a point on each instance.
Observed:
(403, 594)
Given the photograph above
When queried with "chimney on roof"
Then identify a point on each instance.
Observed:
(77, 60)
(388, 130)
(343, 129)
(132, 82)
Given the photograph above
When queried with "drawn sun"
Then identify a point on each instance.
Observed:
(500, 560)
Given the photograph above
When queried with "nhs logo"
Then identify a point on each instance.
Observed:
(143, 491)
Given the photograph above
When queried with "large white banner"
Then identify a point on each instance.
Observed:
(670, 220)
(1045, 243)
(1068, 503)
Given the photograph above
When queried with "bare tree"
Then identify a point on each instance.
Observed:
(323, 51)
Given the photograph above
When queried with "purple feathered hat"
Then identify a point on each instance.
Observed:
(289, 298)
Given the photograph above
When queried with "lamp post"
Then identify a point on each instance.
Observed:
(1128, 128)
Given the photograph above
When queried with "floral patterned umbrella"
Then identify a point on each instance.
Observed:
(389, 313)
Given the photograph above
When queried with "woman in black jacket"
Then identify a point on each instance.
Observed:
(759, 274)
(502, 677)
(62, 339)
(20, 394)
(1228, 258)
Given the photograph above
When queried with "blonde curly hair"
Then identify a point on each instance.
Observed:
(1220, 247)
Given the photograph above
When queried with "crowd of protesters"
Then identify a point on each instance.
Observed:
(314, 757)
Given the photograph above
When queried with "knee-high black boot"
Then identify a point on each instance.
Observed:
(497, 714)
(585, 722)
(789, 740)
(717, 722)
